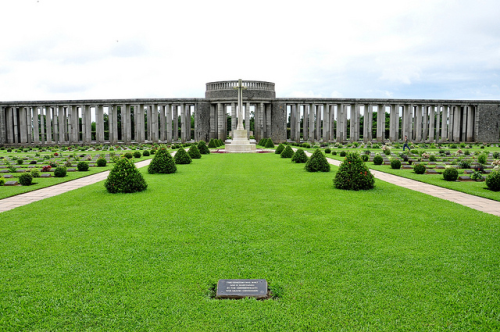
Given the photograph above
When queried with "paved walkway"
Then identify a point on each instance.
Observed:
(10, 203)
(474, 202)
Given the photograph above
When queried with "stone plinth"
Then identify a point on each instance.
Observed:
(240, 143)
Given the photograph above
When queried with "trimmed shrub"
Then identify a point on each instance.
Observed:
(60, 172)
(482, 158)
(317, 162)
(334, 153)
(387, 152)
(33, 162)
(306, 145)
(378, 160)
(269, 143)
(182, 157)
(493, 181)
(145, 153)
(450, 174)
(365, 158)
(299, 157)
(20, 161)
(25, 179)
(203, 148)
(128, 155)
(343, 153)
(328, 150)
(464, 164)
(432, 158)
(353, 174)
(220, 142)
(35, 172)
(162, 163)
(125, 178)
(82, 166)
(212, 143)
(419, 168)
(395, 164)
(279, 149)
(137, 154)
(101, 162)
(287, 152)
(2, 181)
(496, 155)
(194, 153)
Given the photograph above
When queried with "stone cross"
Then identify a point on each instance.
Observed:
(240, 89)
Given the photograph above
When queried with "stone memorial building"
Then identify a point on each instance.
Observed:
(63, 122)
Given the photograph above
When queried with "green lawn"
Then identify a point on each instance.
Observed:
(387, 259)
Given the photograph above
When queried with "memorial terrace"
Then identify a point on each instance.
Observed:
(152, 120)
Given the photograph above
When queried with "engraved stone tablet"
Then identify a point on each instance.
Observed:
(240, 288)
(464, 178)
(11, 183)
(8, 176)
(45, 175)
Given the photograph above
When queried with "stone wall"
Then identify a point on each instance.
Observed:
(232, 94)
(278, 122)
(487, 126)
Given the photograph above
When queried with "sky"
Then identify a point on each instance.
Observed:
(60, 50)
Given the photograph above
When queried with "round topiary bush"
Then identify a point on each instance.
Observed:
(269, 143)
(182, 157)
(334, 153)
(128, 155)
(395, 164)
(101, 162)
(125, 178)
(328, 150)
(432, 158)
(145, 153)
(419, 168)
(450, 174)
(353, 174)
(287, 152)
(25, 179)
(203, 148)
(343, 153)
(193, 152)
(60, 172)
(279, 149)
(299, 157)
(493, 181)
(378, 160)
(35, 172)
(482, 158)
(137, 154)
(365, 158)
(387, 152)
(82, 166)
(317, 162)
(162, 163)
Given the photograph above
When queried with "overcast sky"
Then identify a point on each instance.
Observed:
(138, 49)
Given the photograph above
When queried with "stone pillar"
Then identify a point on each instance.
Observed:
(220, 121)
(22, 126)
(3, 125)
(175, 119)
(339, 123)
(456, 123)
(470, 124)
(36, 128)
(311, 122)
(381, 123)
(352, 124)
(48, 125)
(9, 118)
(333, 127)
(55, 131)
(297, 123)
(394, 123)
(418, 123)
(154, 123)
(425, 123)
(318, 123)
(268, 121)
(99, 124)
(444, 125)
(162, 123)
(432, 118)
(305, 120)
(147, 126)
(126, 124)
(113, 136)
(169, 123)
(183, 123)
(234, 120)
(187, 122)
(463, 124)
(450, 122)
(62, 124)
(247, 119)
(326, 123)
(438, 118)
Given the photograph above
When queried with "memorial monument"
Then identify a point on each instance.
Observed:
(240, 142)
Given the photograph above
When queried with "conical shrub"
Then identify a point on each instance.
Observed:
(287, 152)
(182, 157)
(299, 157)
(194, 153)
(202, 146)
(212, 143)
(279, 149)
(353, 174)
(125, 178)
(219, 142)
(269, 143)
(317, 162)
(162, 163)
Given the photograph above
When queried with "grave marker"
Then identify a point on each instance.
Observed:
(240, 288)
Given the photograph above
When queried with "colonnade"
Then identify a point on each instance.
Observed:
(328, 122)
(72, 124)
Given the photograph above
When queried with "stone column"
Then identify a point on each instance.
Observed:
(268, 121)
(169, 123)
(318, 123)
(48, 125)
(339, 123)
(444, 125)
(234, 120)
(456, 122)
(326, 123)
(352, 123)
(162, 123)
(394, 123)
(418, 124)
(463, 124)
(62, 124)
(311, 122)
(470, 124)
(247, 119)
(437, 122)
(113, 136)
(154, 123)
(432, 118)
(147, 136)
(175, 119)
(187, 113)
(126, 124)
(450, 122)
(305, 120)
(99, 124)
(3, 125)
(9, 119)
(425, 123)
(55, 126)
(297, 123)
(333, 135)
(22, 126)
(220, 121)
(381, 123)
(36, 129)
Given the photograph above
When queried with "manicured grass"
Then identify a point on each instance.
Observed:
(387, 259)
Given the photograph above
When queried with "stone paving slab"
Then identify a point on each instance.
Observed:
(474, 202)
(10, 203)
